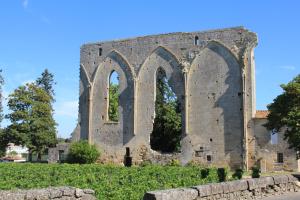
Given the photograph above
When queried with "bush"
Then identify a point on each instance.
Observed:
(83, 153)
(222, 174)
(238, 174)
(204, 172)
(255, 172)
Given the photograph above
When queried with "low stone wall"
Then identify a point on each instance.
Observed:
(241, 189)
(63, 193)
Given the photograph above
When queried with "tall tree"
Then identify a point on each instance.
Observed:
(31, 119)
(285, 113)
(46, 81)
(167, 125)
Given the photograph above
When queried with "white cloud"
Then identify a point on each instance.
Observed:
(25, 3)
(67, 109)
(288, 67)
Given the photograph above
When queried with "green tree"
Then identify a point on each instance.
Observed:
(113, 109)
(46, 81)
(285, 113)
(167, 125)
(31, 119)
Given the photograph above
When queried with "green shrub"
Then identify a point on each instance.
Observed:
(222, 174)
(238, 174)
(204, 172)
(83, 153)
(255, 172)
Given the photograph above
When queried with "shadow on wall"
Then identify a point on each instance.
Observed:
(231, 102)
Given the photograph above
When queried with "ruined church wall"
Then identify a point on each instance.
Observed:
(206, 76)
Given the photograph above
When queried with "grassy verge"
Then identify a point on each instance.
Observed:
(109, 182)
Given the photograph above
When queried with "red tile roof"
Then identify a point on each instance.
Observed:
(261, 114)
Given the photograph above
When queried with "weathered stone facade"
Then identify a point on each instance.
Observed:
(213, 75)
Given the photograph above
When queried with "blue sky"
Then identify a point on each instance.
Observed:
(35, 35)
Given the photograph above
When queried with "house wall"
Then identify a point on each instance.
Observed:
(266, 153)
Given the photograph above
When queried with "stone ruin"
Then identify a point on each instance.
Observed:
(212, 74)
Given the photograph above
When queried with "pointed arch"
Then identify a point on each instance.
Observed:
(123, 130)
(214, 90)
(213, 45)
(164, 53)
(119, 58)
(162, 58)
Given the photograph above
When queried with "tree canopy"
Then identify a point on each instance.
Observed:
(46, 82)
(285, 113)
(32, 124)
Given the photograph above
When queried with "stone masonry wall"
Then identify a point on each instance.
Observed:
(211, 73)
(63, 193)
(232, 190)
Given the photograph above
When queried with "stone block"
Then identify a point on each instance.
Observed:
(68, 191)
(204, 190)
(252, 183)
(217, 188)
(55, 193)
(79, 192)
(225, 186)
(38, 194)
(280, 179)
(180, 193)
(237, 185)
(266, 181)
(88, 197)
(291, 178)
(88, 191)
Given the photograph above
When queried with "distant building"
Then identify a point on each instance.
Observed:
(16, 153)
(268, 148)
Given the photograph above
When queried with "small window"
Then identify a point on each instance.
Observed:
(196, 40)
(209, 158)
(279, 157)
(100, 51)
(274, 137)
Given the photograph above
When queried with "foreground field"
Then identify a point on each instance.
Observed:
(109, 182)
